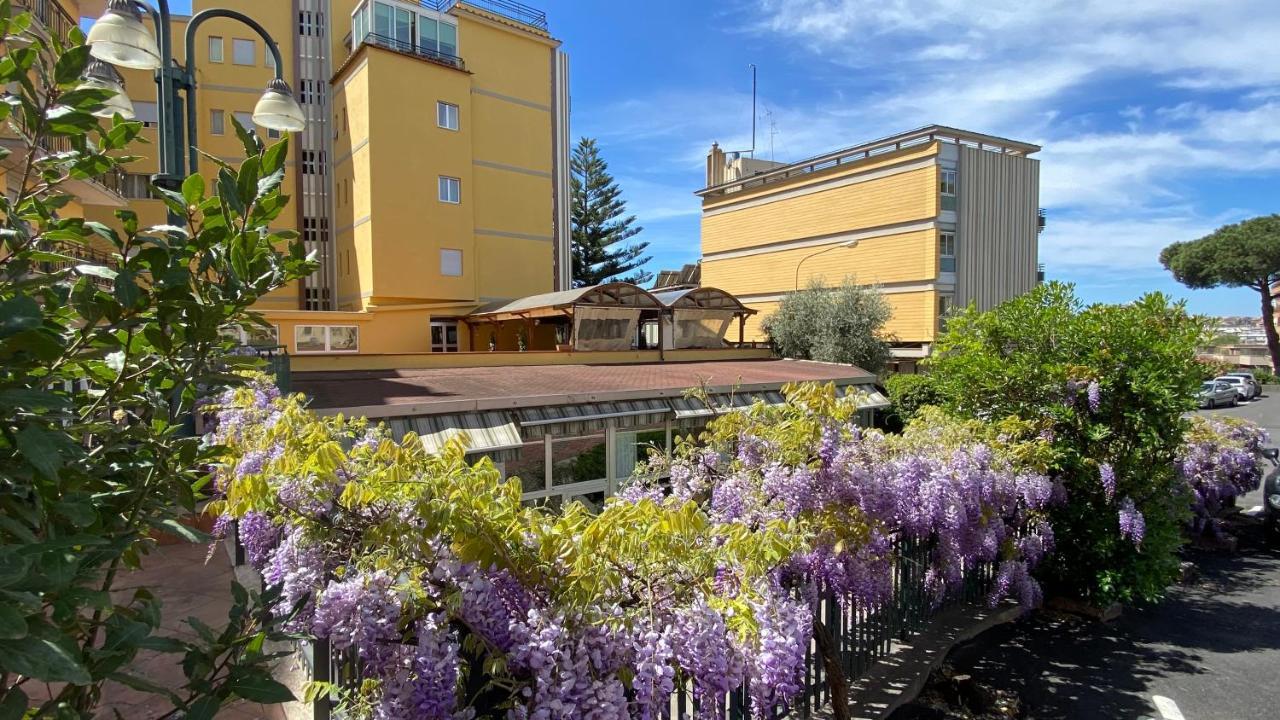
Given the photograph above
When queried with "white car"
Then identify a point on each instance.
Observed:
(1254, 387)
(1243, 390)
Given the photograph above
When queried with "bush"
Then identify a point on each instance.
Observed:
(839, 325)
(909, 392)
(1264, 376)
(1108, 385)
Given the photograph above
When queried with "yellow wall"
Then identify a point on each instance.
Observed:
(915, 315)
(897, 258)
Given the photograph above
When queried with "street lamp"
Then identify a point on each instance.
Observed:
(845, 244)
(119, 37)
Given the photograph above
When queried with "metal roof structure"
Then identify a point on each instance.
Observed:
(703, 298)
(615, 294)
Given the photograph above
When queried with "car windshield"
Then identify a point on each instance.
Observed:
(1205, 386)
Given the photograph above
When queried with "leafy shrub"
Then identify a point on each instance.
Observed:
(839, 325)
(104, 361)
(1264, 376)
(909, 392)
(1108, 385)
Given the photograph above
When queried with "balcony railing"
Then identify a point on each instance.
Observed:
(50, 14)
(79, 254)
(409, 48)
(519, 12)
(1040, 217)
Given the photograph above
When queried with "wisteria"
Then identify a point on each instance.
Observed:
(1107, 476)
(431, 582)
(1132, 524)
(1220, 460)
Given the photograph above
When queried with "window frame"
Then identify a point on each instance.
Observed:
(444, 346)
(448, 181)
(948, 180)
(461, 266)
(443, 113)
(328, 339)
(253, 52)
(217, 122)
(945, 238)
(222, 49)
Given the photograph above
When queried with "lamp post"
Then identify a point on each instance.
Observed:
(119, 37)
(846, 244)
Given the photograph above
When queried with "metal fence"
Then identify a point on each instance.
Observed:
(861, 636)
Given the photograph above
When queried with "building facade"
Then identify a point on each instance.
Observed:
(934, 218)
(431, 179)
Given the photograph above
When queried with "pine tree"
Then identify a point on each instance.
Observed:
(600, 224)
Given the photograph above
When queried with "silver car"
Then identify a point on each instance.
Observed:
(1214, 394)
(1254, 387)
(1242, 388)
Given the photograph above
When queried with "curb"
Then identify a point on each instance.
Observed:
(898, 678)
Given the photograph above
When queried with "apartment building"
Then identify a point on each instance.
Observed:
(934, 217)
(431, 178)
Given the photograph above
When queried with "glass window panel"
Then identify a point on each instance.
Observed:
(632, 447)
(448, 39)
(215, 49)
(344, 338)
(243, 51)
(308, 338)
(451, 334)
(382, 14)
(576, 460)
(530, 467)
(217, 122)
(450, 190)
(245, 119)
(446, 115)
(263, 336)
(948, 202)
(451, 262)
(427, 34)
(404, 27)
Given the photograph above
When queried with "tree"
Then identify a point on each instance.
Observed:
(104, 357)
(600, 223)
(1245, 254)
(1107, 387)
(840, 325)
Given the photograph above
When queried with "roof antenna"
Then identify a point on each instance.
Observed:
(753, 110)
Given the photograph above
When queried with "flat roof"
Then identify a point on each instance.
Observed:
(385, 393)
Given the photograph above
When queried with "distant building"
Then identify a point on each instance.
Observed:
(934, 217)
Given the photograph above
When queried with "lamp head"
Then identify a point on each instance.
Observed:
(278, 110)
(120, 38)
(101, 75)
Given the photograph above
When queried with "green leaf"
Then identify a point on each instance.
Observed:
(44, 655)
(14, 704)
(79, 512)
(32, 399)
(259, 687)
(193, 189)
(42, 449)
(70, 65)
(144, 685)
(126, 289)
(13, 567)
(17, 314)
(13, 626)
(174, 527)
(101, 271)
(273, 159)
(204, 708)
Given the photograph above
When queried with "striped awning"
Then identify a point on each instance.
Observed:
(869, 398)
(487, 433)
(690, 407)
(569, 420)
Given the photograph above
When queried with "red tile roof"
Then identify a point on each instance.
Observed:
(440, 390)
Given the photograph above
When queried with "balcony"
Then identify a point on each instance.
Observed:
(409, 48)
(518, 12)
(50, 14)
(80, 254)
(1040, 220)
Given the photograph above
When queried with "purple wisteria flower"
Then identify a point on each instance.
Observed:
(1132, 524)
(1095, 396)
(1107, 475)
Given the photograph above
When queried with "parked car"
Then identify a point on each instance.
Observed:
(1214, 393)
(1241, 386)
(1253, 382)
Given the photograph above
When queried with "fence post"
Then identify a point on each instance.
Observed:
(321, 664)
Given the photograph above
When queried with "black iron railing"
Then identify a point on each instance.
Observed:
(50, 14)
(410, 48)
(79, 255)
(861, 636)
(519, 12)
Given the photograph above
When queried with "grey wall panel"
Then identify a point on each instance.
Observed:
(998, 198)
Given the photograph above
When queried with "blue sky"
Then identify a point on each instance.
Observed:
(1160, 119)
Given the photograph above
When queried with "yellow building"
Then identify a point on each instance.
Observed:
(431, 179)
(933, 217)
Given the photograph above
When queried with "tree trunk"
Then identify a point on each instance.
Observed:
(836, 681)
(1269, 327)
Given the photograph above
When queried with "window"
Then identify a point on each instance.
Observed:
(244, 52)
(326, 338)
(268, 59)
(253, 335)
(948, 189)
(217, 122)
(273, 134)
(450, 262)
(313, 162)
(947, 252)
(450, 190)
(215, 49)
(135, 186)
(245, 119)
(446, 115)
(146, 112)
(448, 39)
(945, 304)
(444, 336)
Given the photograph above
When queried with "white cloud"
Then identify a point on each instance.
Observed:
(1116, 244)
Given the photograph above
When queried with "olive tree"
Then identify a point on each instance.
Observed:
(102, 363)
(841, 325)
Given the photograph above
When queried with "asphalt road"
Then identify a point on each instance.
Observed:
(1209, 651)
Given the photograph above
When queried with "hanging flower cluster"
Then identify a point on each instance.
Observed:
(1220, 459)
